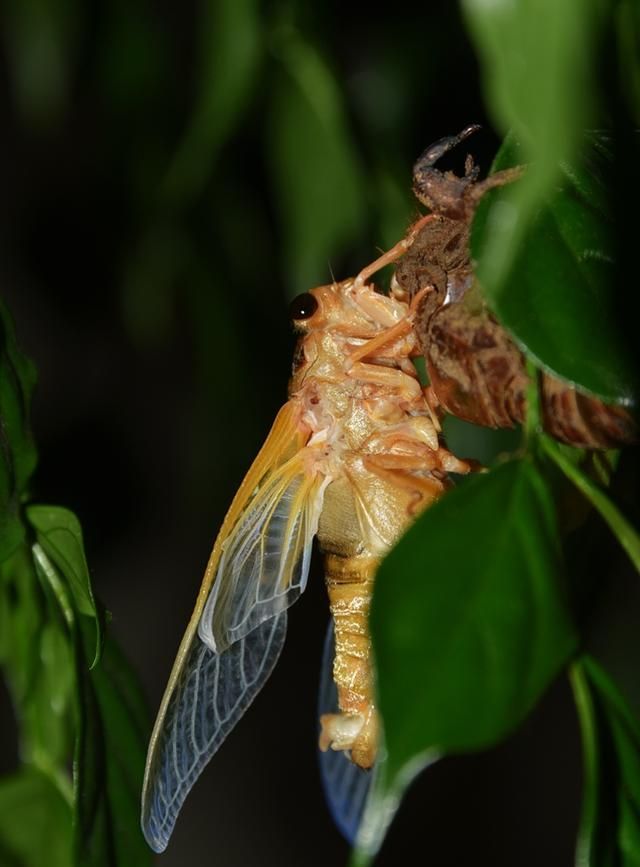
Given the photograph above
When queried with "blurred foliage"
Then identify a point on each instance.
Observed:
(251, 152)
(537, 56)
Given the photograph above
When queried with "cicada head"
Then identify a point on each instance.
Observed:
(346, 308)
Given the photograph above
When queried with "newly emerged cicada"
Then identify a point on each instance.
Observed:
(352, 458)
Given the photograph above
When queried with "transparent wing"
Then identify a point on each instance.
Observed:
(265, 559)
(346, 786)
(210, 696)
(270, 527)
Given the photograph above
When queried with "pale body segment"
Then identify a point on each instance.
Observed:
(353, 457)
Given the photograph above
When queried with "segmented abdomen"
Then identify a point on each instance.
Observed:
(350, 586)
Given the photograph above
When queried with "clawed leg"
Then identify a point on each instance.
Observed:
(395, 380)
(396, 252)
(500, 179)
(391, 335)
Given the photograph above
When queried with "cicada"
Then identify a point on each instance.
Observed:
(352, 458)
(476, 371)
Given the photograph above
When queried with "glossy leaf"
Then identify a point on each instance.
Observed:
(609, 834)
(111, 737)
(127, 729)
(318, 181)
(558, 295)
(37, 662)
(113, 732)
(35, 822)
(59, 534)
(17, 451)
(469, 622)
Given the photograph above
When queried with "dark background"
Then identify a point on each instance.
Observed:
(158, 325)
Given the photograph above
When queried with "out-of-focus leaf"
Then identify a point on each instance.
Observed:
(59, 533)
(628, 33)
(609, 834)
(17, 451)
(132, 56)
(469, 623)
(38, 38)
(393, 206)
(538, 62)
(111, 738)
(150, 281)
(624, 531)
(317, 178)
(229, 33)
(37, 660)
(558, 298)
(35, 822)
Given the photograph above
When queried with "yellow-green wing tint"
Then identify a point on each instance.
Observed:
(258, 564)
(265, 558)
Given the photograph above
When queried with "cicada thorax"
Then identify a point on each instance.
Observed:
(476, 371)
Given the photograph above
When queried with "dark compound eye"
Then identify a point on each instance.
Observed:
(303, 307)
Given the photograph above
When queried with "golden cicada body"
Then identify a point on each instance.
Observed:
(352, 457)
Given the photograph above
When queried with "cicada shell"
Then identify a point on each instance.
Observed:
(353, 457)
(476, 371)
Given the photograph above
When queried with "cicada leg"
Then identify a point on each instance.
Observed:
(396, 252)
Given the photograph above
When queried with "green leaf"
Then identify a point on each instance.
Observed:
(556, 294)
(609, 834)
(109, 760)
(111, 737)
(317, 178)
(229, 33)
(39, 37)
(37, 660)
(127, 729)
(623, 530)
(628, 34)
(17, 451)
(59, 534)
(537, 64)
(35, 822)
(469, 622)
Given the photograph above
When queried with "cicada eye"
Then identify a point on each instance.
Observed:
(303, 307)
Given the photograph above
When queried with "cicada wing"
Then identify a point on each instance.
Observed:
(212, 693)
(265, 558)
(346, 786)
(213, 680)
